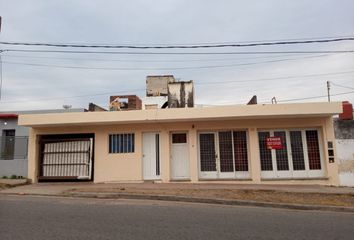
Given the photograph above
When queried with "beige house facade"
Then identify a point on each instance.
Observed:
(262, 144)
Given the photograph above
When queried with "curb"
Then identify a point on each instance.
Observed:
(172, 198)
(208, 201)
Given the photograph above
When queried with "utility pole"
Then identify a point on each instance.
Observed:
(328, 94)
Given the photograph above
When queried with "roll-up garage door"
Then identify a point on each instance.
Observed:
(67, 159)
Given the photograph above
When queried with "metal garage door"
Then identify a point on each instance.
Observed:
(67, 159)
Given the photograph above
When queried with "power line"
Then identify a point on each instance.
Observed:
(136, 90)
(167, 68)
(223, 42)
(78, 96)
(145, 60)
(321, 96)
(175, 53)
(338, 85)
(278, 78)
(180, 46)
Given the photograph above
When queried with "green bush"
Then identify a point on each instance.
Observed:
(13, 177)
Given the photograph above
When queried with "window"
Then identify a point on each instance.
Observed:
(223, 154)
(265, 153)
(121, 143)
(8, 144)
(179, 138)
(299, 154)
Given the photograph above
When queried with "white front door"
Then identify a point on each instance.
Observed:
(151, 156)
(179, 156)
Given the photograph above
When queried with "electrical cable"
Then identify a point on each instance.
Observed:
(175, 53)
(166, 68)
(338, 85)
(145, 60)
(306, 98)
(79, 96)
(136, 90)
(181, 46)
(276, 78)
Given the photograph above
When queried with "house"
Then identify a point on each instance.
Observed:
(14, 140)
(268, 143)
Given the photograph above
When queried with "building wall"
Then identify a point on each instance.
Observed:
(15, 166)
(12, 124)
(344, 133)
(128, 167)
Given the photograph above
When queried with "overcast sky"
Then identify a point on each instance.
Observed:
(230, 81)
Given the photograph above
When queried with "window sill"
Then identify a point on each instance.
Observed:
(294, 179)
(181, 180)
(225, 179)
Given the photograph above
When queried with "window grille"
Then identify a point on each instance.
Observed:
(282, 154)
(207, 152)
(121, 143)
(297, 150)
(265, 153)
(313, 149)
(240, 151)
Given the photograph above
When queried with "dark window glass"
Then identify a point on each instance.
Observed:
(265, 153)
(179, 138)
(207, 152)
(225, 148)
(157, 138)
(297, 150)
(282, 154)
(240, 151)
(121, 143)
(313, 149)
(8, 144)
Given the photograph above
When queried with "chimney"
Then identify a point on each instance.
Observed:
(347, 111)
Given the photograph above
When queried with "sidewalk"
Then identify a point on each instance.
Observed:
(289, 196)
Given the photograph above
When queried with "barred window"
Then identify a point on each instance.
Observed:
(121, 143)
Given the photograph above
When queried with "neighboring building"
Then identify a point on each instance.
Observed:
(344, 133)
(175, 94)
(278, 143)
(14, 140)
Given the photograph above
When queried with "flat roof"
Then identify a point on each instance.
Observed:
(260, 111)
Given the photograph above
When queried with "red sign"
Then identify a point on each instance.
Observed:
(274, 143)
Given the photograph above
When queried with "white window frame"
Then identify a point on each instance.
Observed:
(291, 173)
(224, 175)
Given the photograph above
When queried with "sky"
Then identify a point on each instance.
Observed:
(77, 79)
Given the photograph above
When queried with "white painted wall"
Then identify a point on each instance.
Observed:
(345, 155)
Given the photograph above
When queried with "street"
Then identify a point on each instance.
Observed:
(26, 217)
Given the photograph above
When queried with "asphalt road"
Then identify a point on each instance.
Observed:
(24, 217)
